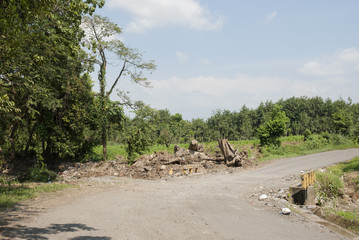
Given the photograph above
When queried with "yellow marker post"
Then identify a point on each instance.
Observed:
(308, 179)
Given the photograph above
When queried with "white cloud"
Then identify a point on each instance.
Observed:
(182, 56)
(320, 69)
(350, 55)
(199, 96)
(148, 14)
(272, 16)
(344, 62)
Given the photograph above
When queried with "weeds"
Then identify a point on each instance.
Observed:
(12, 193)
(349, 215)
(329, 186)
(314, 144)
(40, 173)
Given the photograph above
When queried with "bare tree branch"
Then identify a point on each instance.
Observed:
(118, 77)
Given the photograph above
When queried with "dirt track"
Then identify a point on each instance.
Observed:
(213, 206)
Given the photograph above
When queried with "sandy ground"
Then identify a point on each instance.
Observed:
(213, 206)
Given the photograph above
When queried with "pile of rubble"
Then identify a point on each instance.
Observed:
(160, 164)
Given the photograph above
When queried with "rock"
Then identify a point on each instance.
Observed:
(263, 197)
(193, 145)
(286, 211)
(163, 167)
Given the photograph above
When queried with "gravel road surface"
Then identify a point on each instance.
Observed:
(215, 206)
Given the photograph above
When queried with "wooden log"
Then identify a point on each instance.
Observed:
(231, 155)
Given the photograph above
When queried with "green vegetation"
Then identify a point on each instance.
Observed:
(296, 146)
(270, 132)
(345, 167)
(50, 112)
(12, 193)
(291, 146)
(330, 186)
(349, 215)
(99, 30)
(40, 173)
(329, 183)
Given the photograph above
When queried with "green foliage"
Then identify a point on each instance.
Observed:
(101, 39)
(345, 167)
(271, 131)
(40, 173)
(137, 144)
(328, 186)
(342, 121)
(296, 146)
(307, 135)
(46, 96)
(348, 215)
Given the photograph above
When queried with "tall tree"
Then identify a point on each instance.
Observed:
(270, 132)
(40, 71)
(101, 38)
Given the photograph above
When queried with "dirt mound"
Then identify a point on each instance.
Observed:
(155, 166)
(352, 185)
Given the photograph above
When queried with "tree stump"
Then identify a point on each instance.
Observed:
(195, 146)
(231, 156)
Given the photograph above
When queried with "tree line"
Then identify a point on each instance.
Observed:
(292, 116)
(49, 111)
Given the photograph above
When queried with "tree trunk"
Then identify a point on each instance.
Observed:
(12, 140)
(102, 80)
(104, 143)
(231, 155)
(31, 132)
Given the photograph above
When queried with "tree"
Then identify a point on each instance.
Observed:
(41, 75)
(200, 130)
(101, 39)
(270, 132)
(246, 123)
(223, 122)
(342, 121)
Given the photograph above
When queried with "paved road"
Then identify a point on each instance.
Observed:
(214, 206)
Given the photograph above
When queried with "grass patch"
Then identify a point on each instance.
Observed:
(113, 151)
(12, 193)
(345, 167)
(292, 146)
(295, 146)
(349, 215)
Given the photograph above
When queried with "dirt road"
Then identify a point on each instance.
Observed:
(214, 206)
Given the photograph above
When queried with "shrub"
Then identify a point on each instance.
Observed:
(329, 186)
(269, 133)
(136, 144)
(307, 135)
(338, 139)
(40, 173)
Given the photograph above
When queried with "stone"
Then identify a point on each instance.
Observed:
(286, 211)
(263, 197)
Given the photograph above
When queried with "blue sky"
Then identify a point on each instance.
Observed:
(215, 54)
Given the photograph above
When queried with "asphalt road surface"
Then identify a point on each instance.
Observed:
(214, 206)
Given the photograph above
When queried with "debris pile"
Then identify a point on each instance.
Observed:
(160, 164)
